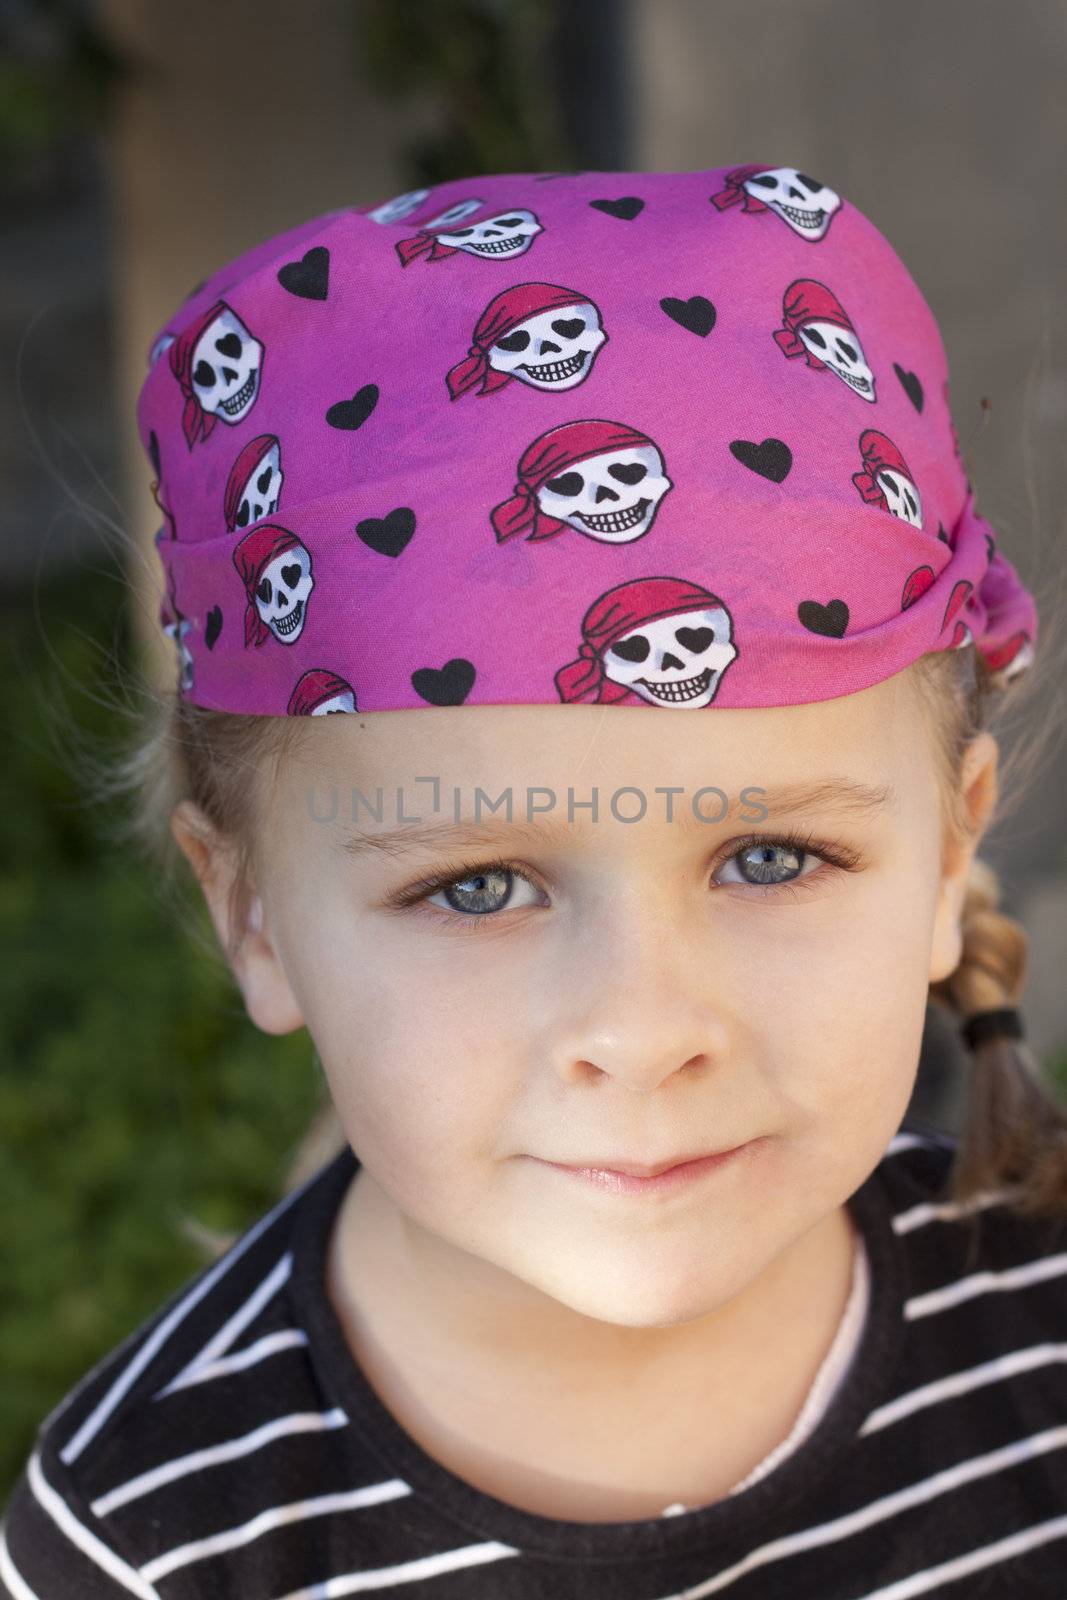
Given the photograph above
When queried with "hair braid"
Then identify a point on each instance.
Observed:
(1015, 1131)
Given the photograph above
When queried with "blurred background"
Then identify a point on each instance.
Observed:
(143, 143)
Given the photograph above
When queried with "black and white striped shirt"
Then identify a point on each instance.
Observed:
(232, 1447)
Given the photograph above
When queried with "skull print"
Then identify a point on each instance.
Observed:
(260, 492)
(226, 367)
(842, 352)
(887, 479)
(901, 496)
(674, 661)
(552, 350)
(282, 593)
(500, 238)
(816, 325)
(612, 497)
(804, 203)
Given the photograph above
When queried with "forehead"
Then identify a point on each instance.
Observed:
(871, 737)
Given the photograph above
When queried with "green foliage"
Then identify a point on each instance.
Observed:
(134, 1090)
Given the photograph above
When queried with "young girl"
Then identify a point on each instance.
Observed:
(632, 1278)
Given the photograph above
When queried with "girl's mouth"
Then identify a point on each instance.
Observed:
(668, 1182)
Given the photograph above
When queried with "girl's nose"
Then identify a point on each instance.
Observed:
(648, 1003)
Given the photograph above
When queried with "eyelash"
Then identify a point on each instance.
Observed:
(838, 858)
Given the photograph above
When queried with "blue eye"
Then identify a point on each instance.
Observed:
(483, 892)
(762, 861)
(758, 861)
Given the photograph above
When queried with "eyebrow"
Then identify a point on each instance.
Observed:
(840, 796)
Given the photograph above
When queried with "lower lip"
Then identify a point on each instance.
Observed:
(663, 1183)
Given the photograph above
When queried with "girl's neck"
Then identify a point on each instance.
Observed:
(592, 1427)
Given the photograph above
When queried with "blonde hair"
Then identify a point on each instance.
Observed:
(1013, 1140)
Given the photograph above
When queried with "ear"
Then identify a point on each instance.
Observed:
(978, 781)
(249, 949)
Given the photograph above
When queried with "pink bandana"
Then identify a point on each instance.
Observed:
(646, 438)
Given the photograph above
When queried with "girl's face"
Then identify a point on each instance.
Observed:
(641, 989)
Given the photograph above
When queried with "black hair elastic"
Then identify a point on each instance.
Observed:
(1003, 1023)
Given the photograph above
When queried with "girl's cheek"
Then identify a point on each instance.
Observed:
(842, 1019)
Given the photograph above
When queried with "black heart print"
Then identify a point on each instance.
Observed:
(695, 639)
(229, 345)
(771, 459)
(310, 276)
(291, 574)
(697, 313)
(830, 619)
(446, 686)
(213, 626)
(389, 534)
(627, 208)
(911, 386)
(354, 413)
(569, 327)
